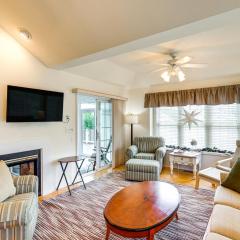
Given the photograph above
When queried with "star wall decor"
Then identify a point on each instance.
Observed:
(189, 118)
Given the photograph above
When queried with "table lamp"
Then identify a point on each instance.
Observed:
(131, 119)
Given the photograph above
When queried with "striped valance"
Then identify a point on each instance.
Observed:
(201, 96)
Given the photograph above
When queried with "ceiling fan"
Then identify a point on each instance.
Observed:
(175, 66)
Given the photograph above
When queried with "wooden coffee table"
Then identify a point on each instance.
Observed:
(142, 209)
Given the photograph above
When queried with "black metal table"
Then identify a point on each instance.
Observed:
(66, 161)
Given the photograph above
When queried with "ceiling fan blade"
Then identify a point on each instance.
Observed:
(164, 64)
(183, 60)
(158, 70)
(194, 65)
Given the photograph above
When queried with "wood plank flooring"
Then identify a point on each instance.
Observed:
(179, 177)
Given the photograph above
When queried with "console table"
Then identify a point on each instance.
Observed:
(186, 158)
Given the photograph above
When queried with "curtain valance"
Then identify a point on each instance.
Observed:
(201, 96)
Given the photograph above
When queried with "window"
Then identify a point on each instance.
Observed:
(219, 126)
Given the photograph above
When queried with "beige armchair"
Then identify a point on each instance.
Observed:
(214, 175)
(227, 164)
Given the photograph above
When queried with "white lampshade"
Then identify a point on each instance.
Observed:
(131, 119)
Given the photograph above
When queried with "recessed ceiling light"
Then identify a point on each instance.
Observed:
(25, 34)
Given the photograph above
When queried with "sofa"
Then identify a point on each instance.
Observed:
(225, 218)
(18, 213)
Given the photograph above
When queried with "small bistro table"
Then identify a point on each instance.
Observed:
(186, 158)
(66, 161)
(142, 209)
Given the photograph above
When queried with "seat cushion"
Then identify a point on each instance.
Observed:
(211, 173)
(215, 236)
(225, 221)
(6, 182)
(31, 204)
(227, 197)
(141, 165)
(141, 155)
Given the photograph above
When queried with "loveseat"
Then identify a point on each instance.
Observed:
(225, 218)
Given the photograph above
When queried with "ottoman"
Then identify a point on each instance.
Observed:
(142, 170)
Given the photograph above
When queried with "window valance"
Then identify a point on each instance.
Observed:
(201, 96)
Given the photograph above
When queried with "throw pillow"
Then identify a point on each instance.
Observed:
(233, 180)
(7, 188)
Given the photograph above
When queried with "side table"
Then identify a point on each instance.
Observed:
(66, 161)
(186, 158)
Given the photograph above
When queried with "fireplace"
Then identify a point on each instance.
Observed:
(25, 163)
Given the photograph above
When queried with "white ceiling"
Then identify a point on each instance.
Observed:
(67, 30)
(217, 47)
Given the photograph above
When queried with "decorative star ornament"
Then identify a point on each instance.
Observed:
(189, 118)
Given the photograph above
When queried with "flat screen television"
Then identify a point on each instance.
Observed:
(33, 105)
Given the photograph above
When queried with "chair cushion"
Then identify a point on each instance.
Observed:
(6, 182)
(225, 221)
(141, 155)
(227, 197)
(215, 236)
(211, 173)
(31, 203)
(232, 181)
(141, 165)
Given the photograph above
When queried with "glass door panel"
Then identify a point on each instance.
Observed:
(105, 133)
(87, 131)
(94, 132)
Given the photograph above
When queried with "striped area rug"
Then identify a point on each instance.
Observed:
(80, 216)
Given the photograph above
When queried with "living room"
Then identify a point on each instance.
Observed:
(127, 92)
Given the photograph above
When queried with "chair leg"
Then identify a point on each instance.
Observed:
(197, 182)
(213, 185)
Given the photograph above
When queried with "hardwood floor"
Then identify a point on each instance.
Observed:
(179, 177)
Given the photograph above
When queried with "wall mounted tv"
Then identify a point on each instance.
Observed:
(33, 105)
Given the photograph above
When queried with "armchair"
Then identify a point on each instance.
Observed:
(148, 148)
(227, 164)
(18, 214)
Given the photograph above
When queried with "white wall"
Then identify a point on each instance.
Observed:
(20, 68)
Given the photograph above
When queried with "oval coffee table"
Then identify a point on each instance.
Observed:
(142, 209)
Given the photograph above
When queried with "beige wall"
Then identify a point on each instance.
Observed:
(57, 140)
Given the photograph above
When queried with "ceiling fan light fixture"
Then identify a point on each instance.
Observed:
(165, 76)
(181, 75)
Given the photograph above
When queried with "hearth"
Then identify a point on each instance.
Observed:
(25, 163)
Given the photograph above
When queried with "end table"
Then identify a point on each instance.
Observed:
(66, 161)
(186, 158)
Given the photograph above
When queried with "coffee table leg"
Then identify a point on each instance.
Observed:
(150, 235)
(107, 233)
(177, 216)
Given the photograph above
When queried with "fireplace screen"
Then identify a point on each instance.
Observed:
(23, 169)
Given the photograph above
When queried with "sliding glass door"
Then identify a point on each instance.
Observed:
(94, 132)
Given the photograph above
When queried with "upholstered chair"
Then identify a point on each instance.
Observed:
(151, 148)
(227, 164)
(18, 213)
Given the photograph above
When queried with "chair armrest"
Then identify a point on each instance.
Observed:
(132, 151)
(226, 169)
(12, 214)
(26, 184)
(223, 176)
(225, 162)
(160, 153)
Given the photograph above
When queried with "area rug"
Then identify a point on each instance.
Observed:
(80, 216)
